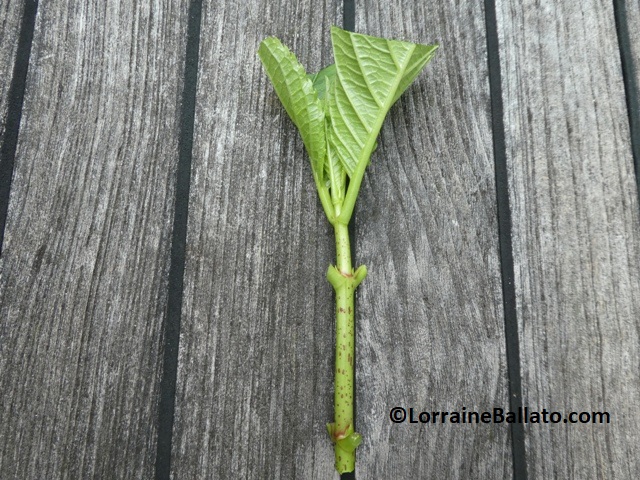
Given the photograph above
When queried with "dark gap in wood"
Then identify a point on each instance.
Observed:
(349, 15)
(171, 327)
(504, 235)
(349, 23)
(630, 82)
(15, 99)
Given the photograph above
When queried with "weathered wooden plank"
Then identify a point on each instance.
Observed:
(10, 16)
(430, 321)
(85, 262)
(255, 369)
(576, 236)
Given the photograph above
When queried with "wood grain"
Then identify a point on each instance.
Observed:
(576, 234)
(85, 263)
(255, 374)
(83, 274)
(255, 381)
(430, 321)
(10, 16)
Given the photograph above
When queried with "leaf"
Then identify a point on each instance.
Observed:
(336, 176)
(333, 167)
(299, 98)
(322, 79)
(371, 74)
(339, 110)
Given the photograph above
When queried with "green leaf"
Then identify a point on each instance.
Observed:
(299, 98)
(339, 110)
(322, 79)
(371, 74)
(335, 174)
(334, 168)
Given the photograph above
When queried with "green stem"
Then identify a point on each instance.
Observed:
(343, 249)
(325, 199)
(344, 281)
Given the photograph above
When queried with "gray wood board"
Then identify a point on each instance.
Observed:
(84, 269)
(430, 316)
(576, 235)
(10, 17)
(255, 369)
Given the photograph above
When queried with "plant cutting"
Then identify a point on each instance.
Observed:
(339, 112)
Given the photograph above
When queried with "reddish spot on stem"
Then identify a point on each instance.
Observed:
(340, 434)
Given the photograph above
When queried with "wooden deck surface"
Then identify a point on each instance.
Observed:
(87, 280)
